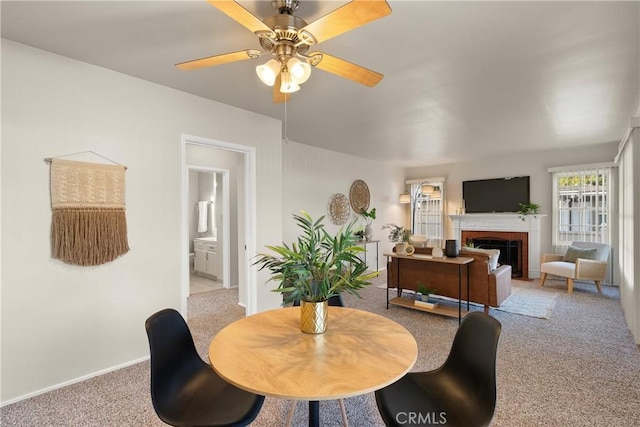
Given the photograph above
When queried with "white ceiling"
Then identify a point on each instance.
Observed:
(463, 80)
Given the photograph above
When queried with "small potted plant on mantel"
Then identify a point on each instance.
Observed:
(528, 209)
(315, 268)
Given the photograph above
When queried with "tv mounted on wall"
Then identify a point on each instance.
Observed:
(495, 195)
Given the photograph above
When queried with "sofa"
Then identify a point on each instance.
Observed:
(487, 287)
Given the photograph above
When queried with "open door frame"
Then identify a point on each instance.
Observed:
(248, 298)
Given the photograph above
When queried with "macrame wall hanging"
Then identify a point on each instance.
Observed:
(88, 225)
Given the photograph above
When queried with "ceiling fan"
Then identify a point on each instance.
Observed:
(288, 38)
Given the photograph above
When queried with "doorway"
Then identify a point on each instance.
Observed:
(236, 165)
(209, 229)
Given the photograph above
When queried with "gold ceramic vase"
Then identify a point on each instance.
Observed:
(314, 317)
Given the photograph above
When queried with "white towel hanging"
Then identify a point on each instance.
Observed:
(202, 216)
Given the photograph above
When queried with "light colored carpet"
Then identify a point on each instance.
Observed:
(578, 368)
(532, 302)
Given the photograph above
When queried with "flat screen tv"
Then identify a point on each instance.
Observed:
(495, 195)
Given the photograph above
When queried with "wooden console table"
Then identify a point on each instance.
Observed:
(408, 261)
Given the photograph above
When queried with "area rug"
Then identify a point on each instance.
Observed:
(525, 301)
(530, 302)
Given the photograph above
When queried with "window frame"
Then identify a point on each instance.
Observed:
(428, 222)
(590, 204)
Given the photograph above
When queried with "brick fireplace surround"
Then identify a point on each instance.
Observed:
(507, 226)
(523, 237)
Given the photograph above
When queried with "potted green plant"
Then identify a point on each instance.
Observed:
(369, 216)
(316, 267)
(528, 209)
(398, 235)
(424, 292)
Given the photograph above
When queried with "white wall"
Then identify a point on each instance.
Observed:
(629, 236)
(533, 164)
(193, 203)
(312, 175)
(61, 322)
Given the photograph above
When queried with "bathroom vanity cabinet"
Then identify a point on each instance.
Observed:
(206, 257)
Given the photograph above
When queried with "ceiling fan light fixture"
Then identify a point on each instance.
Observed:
(287, 85)
(300, 71)
(287, 36)
(268, 72)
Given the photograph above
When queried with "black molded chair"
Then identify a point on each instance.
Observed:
(462, 392)
(184, 389)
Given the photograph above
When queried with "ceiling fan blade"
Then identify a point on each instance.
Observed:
(279, 97)
(346, 69)
(351, 15)
(240, 15)
(210, 61)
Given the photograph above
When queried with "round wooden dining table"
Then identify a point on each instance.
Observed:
(268, 354)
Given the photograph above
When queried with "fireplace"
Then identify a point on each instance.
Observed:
(512, 245)
(518, 237)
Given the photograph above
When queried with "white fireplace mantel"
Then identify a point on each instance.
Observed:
(504, 222)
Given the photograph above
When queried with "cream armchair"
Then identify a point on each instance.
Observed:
(581, 269)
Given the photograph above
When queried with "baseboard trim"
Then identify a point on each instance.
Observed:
(73, 381)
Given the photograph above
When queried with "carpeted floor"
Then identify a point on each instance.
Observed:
(580, 367)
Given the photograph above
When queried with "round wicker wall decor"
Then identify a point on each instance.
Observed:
(338, 209)
(359, 196)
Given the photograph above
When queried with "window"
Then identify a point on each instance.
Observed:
(581, 204)
(427, 209)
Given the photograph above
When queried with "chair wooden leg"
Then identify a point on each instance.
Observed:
(598, 285)
(291, 412)
(344, 413)
(544, 277)
(570, 285)
(486, 309)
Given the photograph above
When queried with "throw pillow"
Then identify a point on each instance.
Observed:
(574, 253)
(493, 255)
